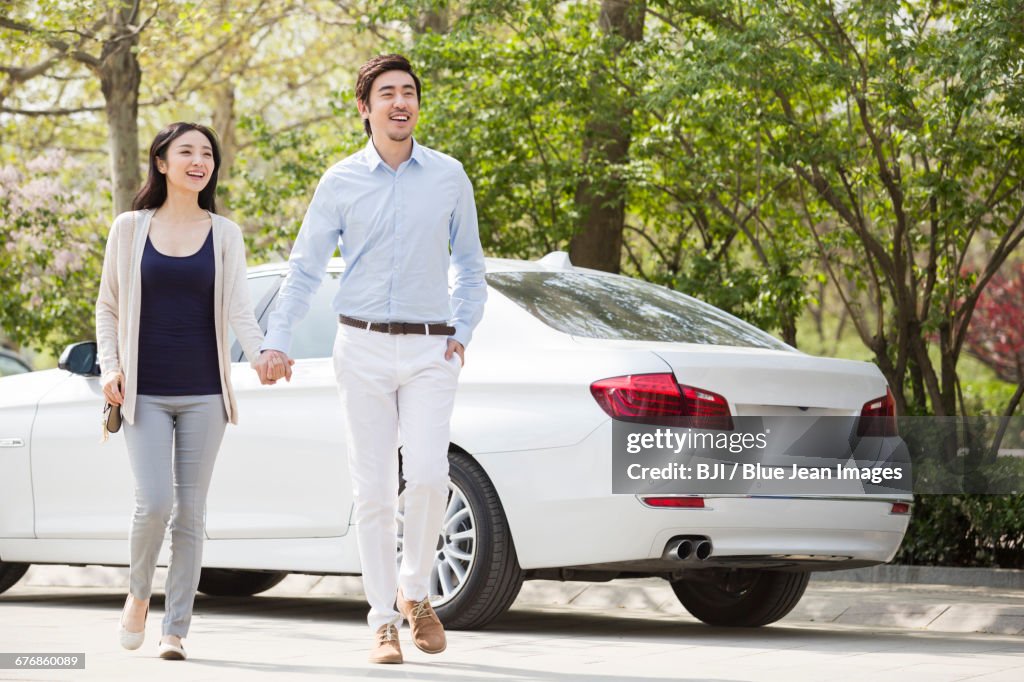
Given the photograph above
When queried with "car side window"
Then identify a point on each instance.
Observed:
(313, 336)
(261, 289)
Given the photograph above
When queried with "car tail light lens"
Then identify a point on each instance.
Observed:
(675, 502)
(639, 396)
(878, 417)
(900, 508)
(710, 409)
(658, 398)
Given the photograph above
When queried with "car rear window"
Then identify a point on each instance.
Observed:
(615, 307)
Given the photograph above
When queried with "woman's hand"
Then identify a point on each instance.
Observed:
(272, 365)
(113, 389)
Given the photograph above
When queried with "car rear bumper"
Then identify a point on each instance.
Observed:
(562, 513)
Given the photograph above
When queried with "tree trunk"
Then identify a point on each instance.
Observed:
(224, 125)
(788, 329)
(120, 76)
(597, 242)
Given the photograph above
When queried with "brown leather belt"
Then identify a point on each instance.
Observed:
(429, 328)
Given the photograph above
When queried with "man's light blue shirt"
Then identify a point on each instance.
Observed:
(394, 229)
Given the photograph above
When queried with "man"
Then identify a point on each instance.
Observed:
(394, 209)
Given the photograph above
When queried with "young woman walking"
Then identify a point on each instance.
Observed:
(174, 279)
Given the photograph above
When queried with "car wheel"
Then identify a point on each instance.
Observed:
(476, 574)
(742, 597)
(10, 574)
(224, 582)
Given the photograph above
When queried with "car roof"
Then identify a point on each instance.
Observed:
(556, 261)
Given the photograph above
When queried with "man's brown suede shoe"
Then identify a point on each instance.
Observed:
(387, 649)
(427, 631)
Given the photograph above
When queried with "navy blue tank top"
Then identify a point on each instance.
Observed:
(177, 338)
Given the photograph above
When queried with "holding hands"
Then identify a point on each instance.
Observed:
(272, 365)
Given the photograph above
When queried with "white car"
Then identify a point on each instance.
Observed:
(531, 458)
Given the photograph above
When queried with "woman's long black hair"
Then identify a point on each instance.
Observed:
(154, 193)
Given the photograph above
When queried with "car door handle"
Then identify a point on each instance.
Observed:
(11, 443)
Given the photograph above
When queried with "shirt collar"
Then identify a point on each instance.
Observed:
(373, 158)
(417, 153)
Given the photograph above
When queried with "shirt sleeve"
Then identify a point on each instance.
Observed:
(316, 242)
(469, 292)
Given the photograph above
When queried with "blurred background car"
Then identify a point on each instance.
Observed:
(11, 363)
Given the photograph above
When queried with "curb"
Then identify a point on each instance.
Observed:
(999, 578)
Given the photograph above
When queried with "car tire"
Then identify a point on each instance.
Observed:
(493, 578)
(742, 597)
(10, 574)
(224, 582)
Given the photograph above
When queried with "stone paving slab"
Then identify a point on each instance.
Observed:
(305, 636)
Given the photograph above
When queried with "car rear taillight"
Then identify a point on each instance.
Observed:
(710, 410)
(900, 508)
(639, 396)
(658, 398)
(675, 502)
(878, 417)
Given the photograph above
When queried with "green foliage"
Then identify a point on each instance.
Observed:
(50, 253)
(965, 530)
(509, 91)
(891, 123)
(506, 95)
(273, 189)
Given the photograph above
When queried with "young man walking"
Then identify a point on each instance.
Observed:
(401, 215)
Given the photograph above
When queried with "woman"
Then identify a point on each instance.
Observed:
(174, 278)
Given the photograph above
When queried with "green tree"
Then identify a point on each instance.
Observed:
(101, 38)
(900, 127)
(86, 78)
(581, 131)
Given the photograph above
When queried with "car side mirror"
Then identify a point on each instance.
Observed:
(80, 358)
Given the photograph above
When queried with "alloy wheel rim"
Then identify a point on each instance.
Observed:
(456, 546)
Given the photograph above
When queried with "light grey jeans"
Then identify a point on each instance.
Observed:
(172, 447)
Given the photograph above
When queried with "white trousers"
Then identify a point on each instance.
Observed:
(396, 390)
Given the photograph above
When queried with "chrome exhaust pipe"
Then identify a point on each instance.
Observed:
(688, 548)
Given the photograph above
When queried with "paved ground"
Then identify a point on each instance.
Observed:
(313, 629)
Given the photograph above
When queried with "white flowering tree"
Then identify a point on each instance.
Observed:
(50, 251)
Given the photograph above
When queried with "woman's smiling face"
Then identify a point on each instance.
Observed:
(188, 162)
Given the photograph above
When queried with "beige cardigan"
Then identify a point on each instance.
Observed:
(120, 299)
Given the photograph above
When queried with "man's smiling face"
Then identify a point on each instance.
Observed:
(393, 106)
